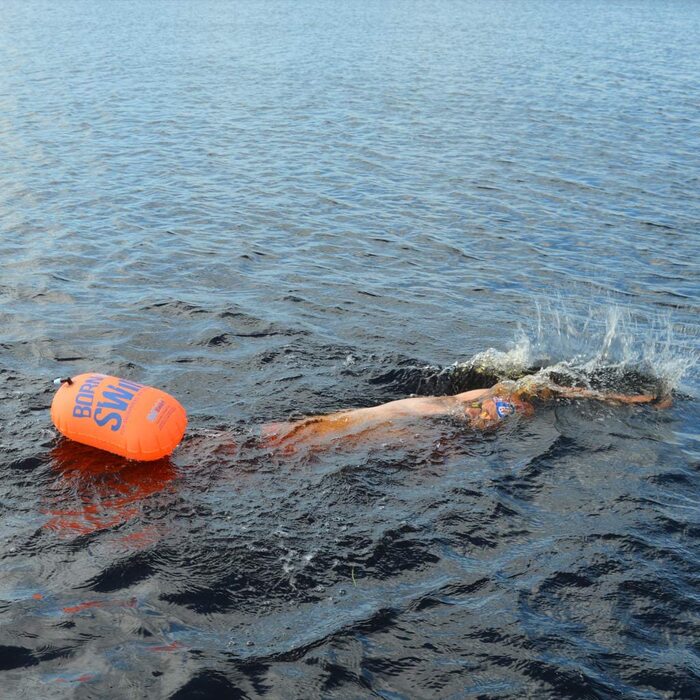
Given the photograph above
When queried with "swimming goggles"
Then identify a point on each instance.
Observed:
(503, 408)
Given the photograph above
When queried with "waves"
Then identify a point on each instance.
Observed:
(553, 556)
(274, 210)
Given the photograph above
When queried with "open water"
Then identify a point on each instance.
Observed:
(274, 209)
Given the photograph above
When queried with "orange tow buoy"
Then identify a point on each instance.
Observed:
(118, 415)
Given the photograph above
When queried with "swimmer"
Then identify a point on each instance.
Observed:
(482, 409)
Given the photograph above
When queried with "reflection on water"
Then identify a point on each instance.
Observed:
(94, 490)
(280, 209)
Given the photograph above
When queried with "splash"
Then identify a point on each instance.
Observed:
(607, 348)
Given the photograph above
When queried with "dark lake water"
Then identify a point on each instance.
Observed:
(274, 209)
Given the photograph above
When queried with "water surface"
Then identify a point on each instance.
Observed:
(283, 208)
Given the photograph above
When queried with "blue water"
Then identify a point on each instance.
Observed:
(275, 209)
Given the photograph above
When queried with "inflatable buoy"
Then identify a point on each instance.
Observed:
(117, 415)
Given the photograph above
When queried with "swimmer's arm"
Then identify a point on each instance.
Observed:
(576, 393)
(414, 406)
(358, 419)
(473, 395)
(418, 406)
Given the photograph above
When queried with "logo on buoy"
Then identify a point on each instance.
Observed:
(116, 399)
(155, 410)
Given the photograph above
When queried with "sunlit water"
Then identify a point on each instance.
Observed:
(276, 209)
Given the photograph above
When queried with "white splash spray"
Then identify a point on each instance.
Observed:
(603, 343)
